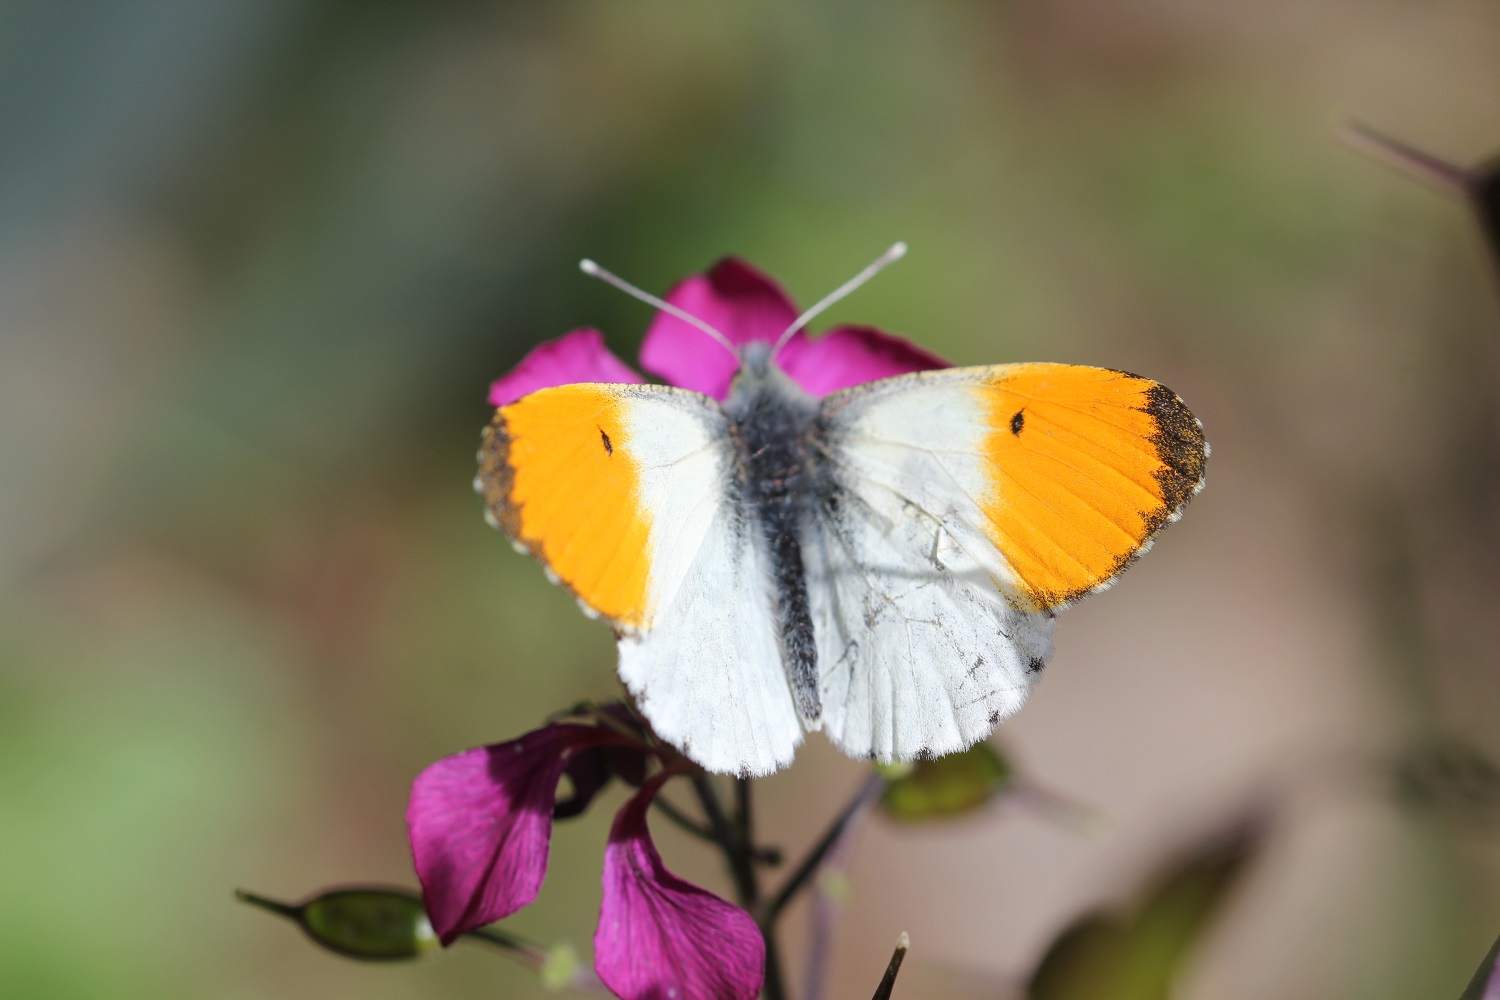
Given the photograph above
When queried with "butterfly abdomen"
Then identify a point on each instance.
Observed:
(777, 483)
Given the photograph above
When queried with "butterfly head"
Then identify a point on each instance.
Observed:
(757, 358)
(760, 381)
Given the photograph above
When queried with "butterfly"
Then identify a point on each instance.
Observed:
(884, 562)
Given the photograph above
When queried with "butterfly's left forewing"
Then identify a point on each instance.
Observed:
(959, 510)
(627, 495)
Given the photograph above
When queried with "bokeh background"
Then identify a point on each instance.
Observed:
(259, 260)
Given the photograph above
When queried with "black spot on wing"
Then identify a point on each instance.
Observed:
(1035, 665)
(1018, 421)
(609, 448)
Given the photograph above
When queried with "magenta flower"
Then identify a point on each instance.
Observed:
(480, 825)
(744, 305)
(662, 937)
(480, 822)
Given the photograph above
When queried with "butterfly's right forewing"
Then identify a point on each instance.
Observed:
(961, 509)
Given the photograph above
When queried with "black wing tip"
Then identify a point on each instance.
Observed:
(496, 480)
(1183, 452)
(1180, 446)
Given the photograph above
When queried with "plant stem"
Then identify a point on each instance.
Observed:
(681, 820)
(742, 814)
(760, 855)
(739, 852)
(746, 886)
(888, 981)
(287, 910)
(524, 951)
(534, 956)
(798, 880)
(775, 986)
(826, 905)
(735, 837)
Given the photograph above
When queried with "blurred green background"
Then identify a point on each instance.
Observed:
(260, 259)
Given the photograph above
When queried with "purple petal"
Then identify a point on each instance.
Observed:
(661, 937)
(849, 355)
(733, 298)
(579, 356)
(480, 824)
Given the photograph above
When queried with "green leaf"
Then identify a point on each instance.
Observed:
(1082, 962)
(1487, 971)
(367, 923)
(1138, 955)
(948, 786)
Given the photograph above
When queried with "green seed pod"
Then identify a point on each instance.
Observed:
(370, 923)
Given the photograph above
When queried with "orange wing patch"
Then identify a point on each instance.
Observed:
(1085, 466)
(557, 474)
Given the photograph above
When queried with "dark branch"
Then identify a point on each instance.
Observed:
(862, 800)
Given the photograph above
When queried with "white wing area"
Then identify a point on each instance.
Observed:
(919, 652)
(708, 671)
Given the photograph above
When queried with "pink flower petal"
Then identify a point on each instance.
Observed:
(579, 356)
(480, 825)
(733, 298)
(849, 355)
(661, 937)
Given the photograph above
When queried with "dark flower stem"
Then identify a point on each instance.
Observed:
(287, 910)
(530, 954)
(735, 836)
(1479, 186)
(825, 911)
(680, 820)
(743, 818)
(746, 885)
(864, 798)
(760, 855)
(1409, 159)
(534, 956)
(888, 981)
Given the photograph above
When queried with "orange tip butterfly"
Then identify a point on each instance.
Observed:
(883, 562)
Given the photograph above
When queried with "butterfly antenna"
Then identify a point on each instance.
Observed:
(895, 253)
(593, 270)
